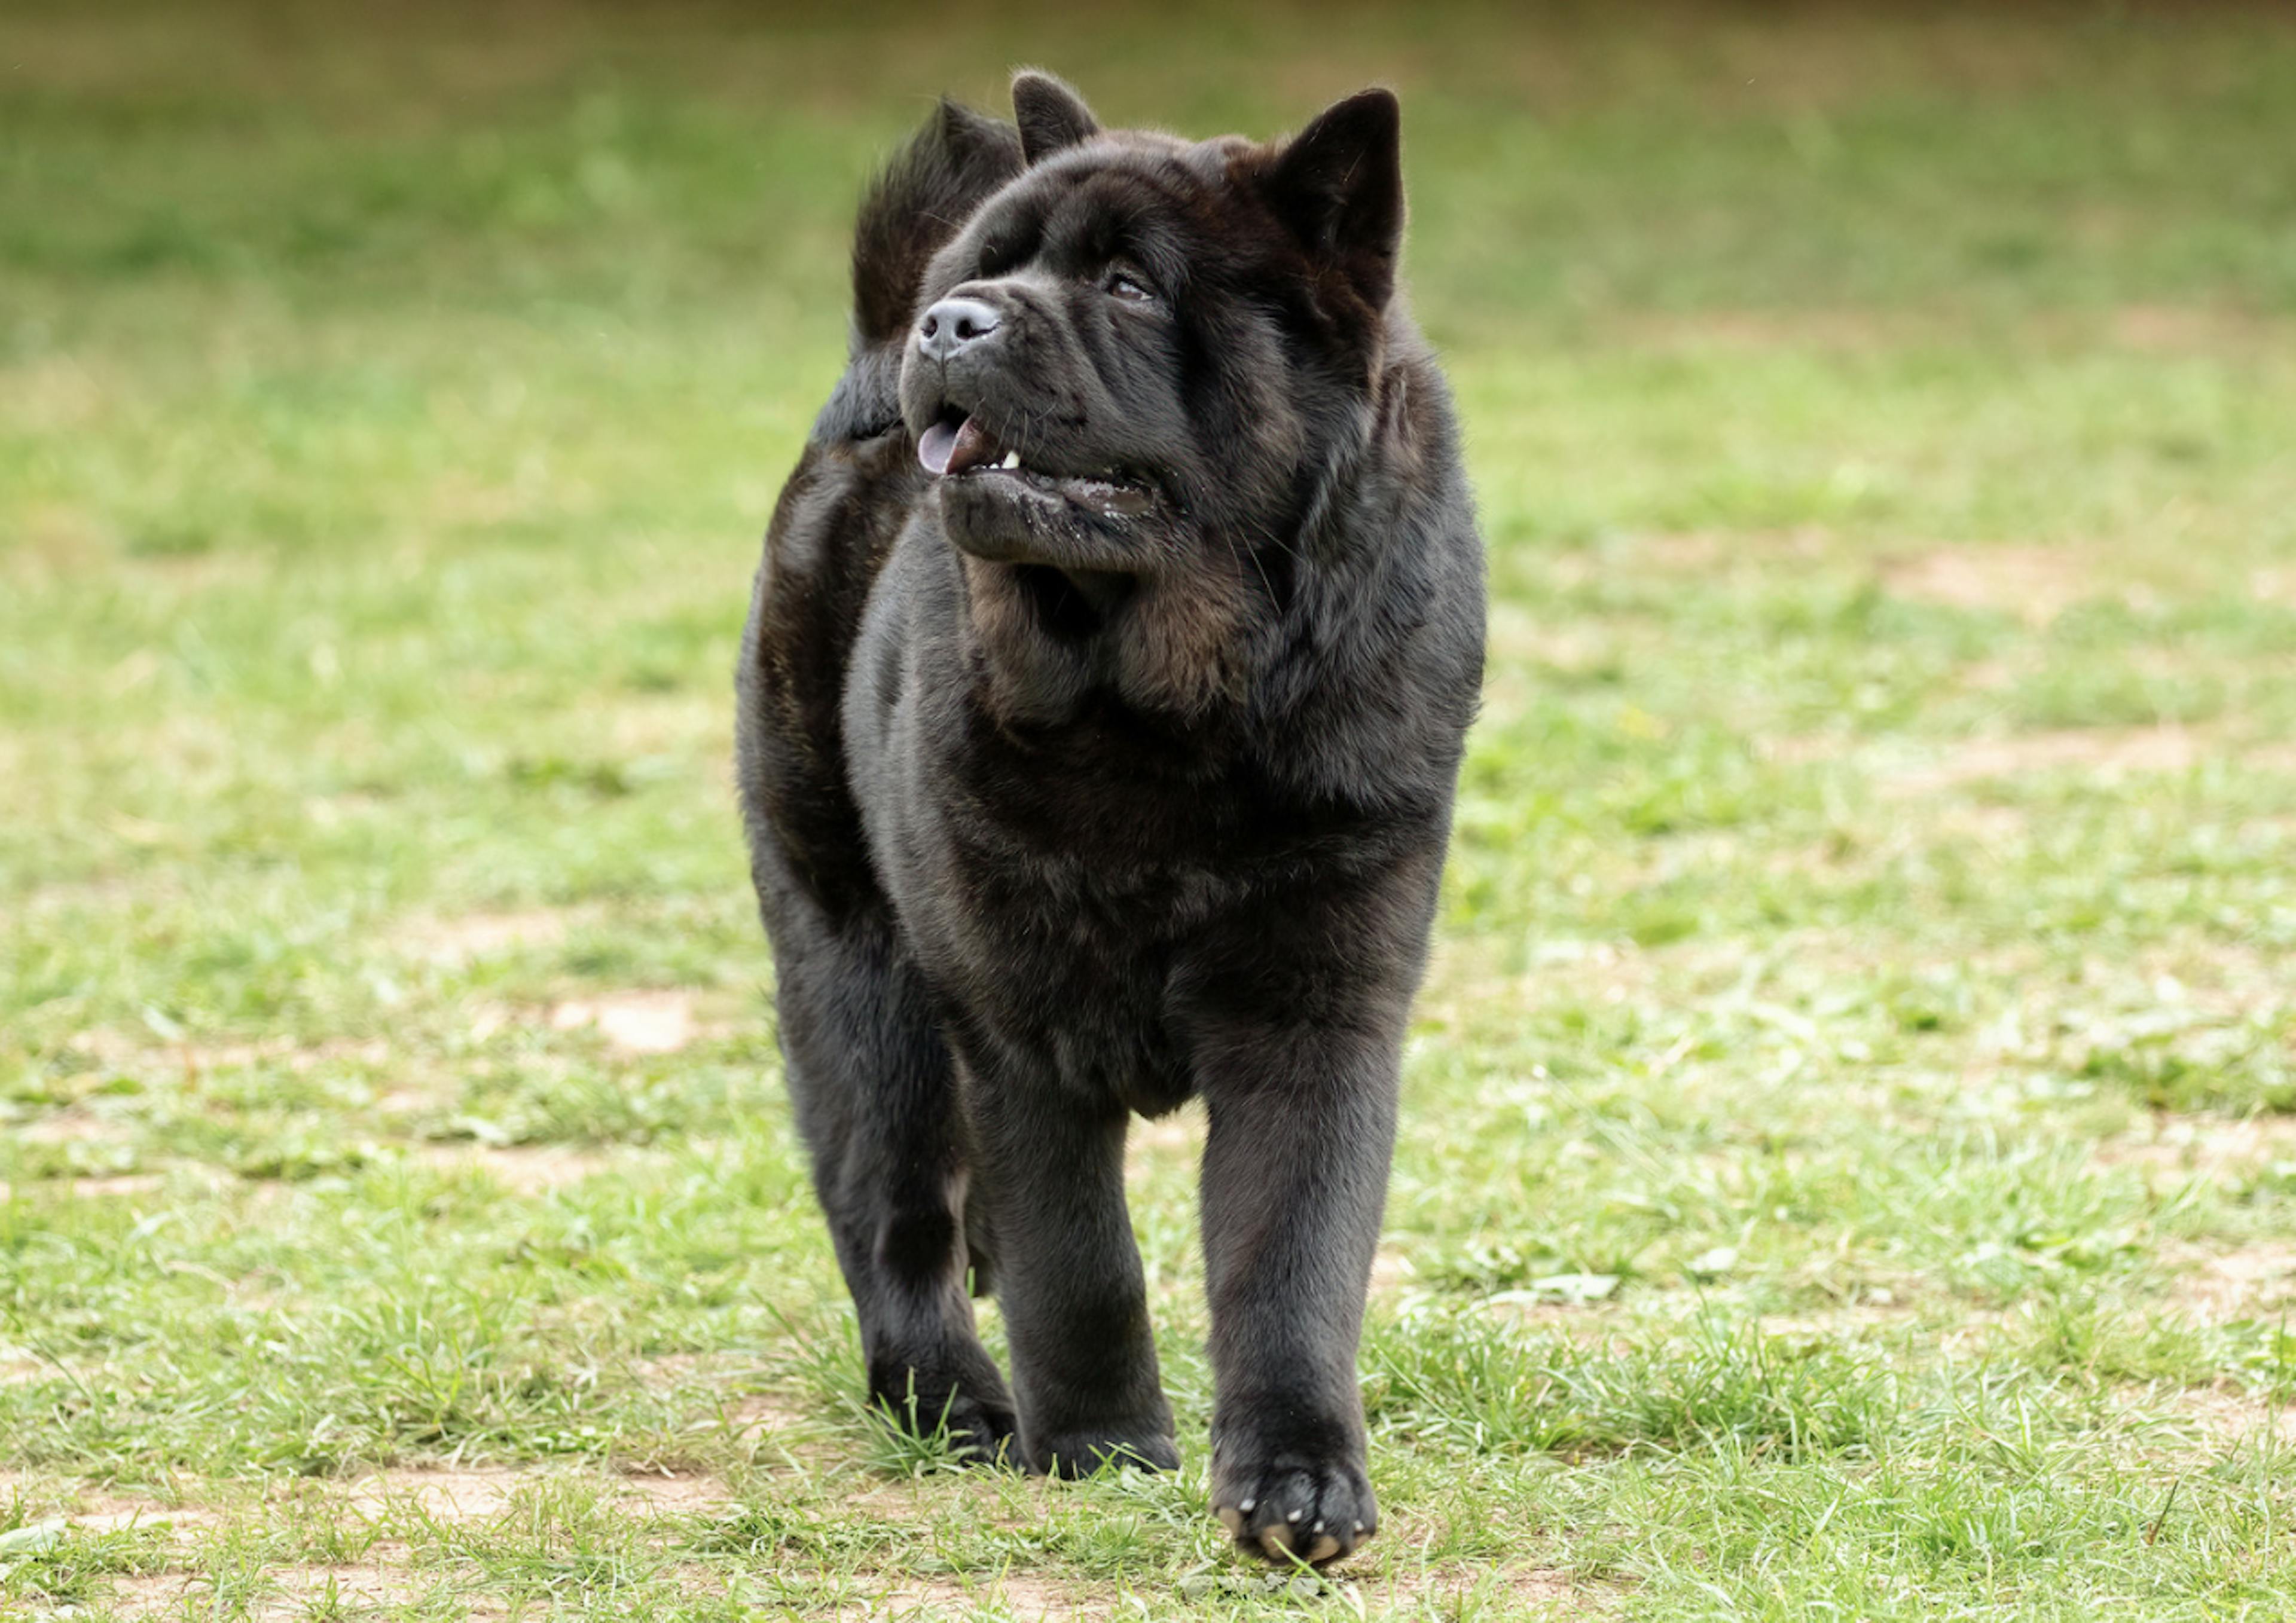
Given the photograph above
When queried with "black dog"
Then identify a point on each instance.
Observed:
(1100, 707)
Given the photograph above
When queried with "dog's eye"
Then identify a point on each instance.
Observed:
(1125, 285)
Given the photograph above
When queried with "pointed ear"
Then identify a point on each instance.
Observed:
(1051, 115)
(1339, 186)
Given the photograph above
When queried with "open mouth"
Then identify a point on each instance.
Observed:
(959, 446)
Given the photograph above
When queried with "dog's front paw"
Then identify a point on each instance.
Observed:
(1081, 1453)
(1290, 1507)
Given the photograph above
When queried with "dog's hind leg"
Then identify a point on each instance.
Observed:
(876, 1100)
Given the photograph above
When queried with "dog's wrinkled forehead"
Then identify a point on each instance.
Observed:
(1146, 202)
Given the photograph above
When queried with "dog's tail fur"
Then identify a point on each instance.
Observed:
(917, 204)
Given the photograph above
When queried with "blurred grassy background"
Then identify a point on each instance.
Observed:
(1871, 913)
(378, 392)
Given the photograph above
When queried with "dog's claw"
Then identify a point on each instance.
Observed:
(1298, 1513)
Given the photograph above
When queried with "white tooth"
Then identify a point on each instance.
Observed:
(1012, 460)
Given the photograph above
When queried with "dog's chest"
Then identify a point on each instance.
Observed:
(1069, 976)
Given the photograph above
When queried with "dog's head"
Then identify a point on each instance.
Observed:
(1135, 367)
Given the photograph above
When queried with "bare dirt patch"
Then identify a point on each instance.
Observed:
(1538, 1586)
(451, 943)
(443, 1494)
(1008, 1593)
(73, 1126)
(1584, 1322)
(1805, 748)
(296, 1056)
(762, 1419)
(1467, 980)
(294, 1594)
(2174, 328)
(147, 1055)
(2274, 585)
(88, 1188)
(1698, 552)
(2233, 1419)
(2112, 753)
(632, 1022)
(524, 1169)
(398, 1500)
(446, 1493)
(98, 1509)
(2199, 1148)
(2253, 1282)
(154, 1594)
(681, 1492)
(1022, 1596)
(1567, 646)
(394, 1498)
(2037, 584)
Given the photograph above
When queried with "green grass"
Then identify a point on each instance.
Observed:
(1849, 1157)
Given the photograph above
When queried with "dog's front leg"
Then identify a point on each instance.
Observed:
(1051, 1168)
(1294, 1181)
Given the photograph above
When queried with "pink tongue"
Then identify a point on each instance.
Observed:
(934, 447)
(947, 451)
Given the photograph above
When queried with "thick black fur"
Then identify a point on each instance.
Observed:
(1085, 790)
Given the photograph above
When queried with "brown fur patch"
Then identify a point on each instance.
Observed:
(1180, 652)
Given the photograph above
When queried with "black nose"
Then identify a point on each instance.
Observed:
(951, 324)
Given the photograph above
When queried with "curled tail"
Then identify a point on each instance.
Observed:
(917, 204)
